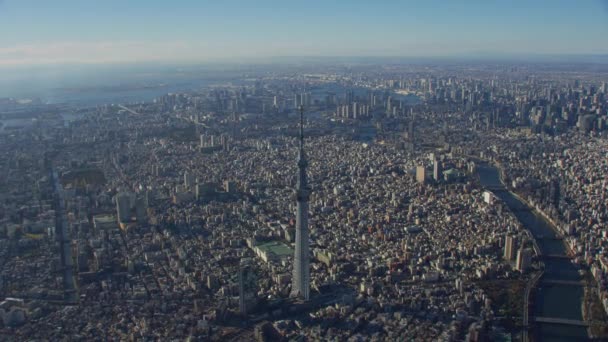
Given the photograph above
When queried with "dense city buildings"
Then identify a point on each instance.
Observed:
(177, 218)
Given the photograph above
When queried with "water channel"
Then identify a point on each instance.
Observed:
(550, 300)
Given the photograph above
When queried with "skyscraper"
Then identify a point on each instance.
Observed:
(437, 170)
(301, 264)
(189, 180)
(524, 259)
(509, 251)
(420, 174)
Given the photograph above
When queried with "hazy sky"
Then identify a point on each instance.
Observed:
(101, 31)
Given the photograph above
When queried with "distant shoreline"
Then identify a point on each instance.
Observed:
(112, 88)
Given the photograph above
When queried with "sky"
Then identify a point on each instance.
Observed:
(49, 32)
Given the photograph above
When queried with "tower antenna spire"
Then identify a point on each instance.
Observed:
(301, 127)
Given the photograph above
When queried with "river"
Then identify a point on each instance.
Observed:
(549, 300)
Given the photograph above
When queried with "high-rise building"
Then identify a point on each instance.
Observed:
(509, 251)
(229, 186)
(524, 259)
(301, 265)
(437, 170)
(189, 180)
(197, 191)
(420, 174)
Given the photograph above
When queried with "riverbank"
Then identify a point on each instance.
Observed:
(551, 300)
(535, 208)
(593, 310)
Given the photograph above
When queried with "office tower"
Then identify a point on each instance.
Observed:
(524, 259)
(197, 190)
(459, 285)
(344, 111)
(437, 170)
(123, 207)
(229, 186)
(509, 252)
(189, 180)
(301, 268)
(420, 174)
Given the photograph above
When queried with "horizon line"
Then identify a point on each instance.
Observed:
(583, 58)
